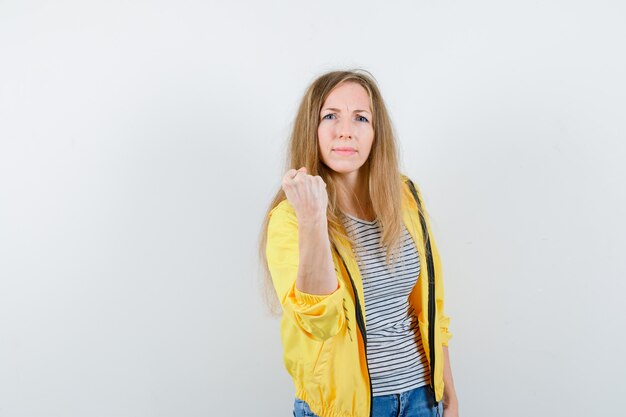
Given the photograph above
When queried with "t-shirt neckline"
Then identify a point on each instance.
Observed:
(361, 220)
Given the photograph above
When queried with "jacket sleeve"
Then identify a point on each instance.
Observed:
(318, 316)
(444, 320)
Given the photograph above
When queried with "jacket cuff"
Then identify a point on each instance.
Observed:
(320, 316)
(304, 299)
(444, 323)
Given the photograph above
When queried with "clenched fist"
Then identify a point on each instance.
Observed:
(306, 193)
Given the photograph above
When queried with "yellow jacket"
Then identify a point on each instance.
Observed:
(324, 336)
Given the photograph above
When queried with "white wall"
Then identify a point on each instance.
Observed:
(140, 143)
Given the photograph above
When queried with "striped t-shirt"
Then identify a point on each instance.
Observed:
(395, 354)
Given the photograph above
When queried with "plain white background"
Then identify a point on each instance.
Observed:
(141, 142)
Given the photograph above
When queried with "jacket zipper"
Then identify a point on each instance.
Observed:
(431, 292)
(431, 304)
(361, 323)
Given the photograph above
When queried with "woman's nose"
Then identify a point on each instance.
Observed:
(345, 128)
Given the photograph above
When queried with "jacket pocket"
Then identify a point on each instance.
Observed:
(423, 329)
(323, 356)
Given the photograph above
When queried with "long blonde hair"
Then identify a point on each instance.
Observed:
(381, 168)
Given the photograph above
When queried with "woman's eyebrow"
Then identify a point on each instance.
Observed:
(338, 110)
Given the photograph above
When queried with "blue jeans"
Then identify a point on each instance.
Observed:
(418, 402)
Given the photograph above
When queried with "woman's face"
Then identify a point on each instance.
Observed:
(345, 133)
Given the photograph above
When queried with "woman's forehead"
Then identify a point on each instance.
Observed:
(348, 94)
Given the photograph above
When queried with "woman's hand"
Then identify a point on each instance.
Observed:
(451, 410)
(450, 400)
(306, 193)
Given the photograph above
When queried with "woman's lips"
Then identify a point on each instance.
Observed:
(344, 151)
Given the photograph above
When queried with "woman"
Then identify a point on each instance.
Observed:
(347, 248)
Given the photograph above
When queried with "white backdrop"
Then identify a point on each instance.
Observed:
(140, 143)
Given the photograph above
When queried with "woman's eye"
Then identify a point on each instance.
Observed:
(359, 118)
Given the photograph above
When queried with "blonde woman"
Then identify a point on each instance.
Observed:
(350, 258)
